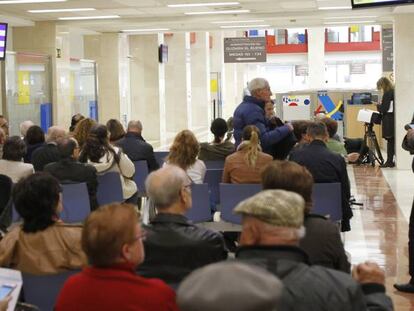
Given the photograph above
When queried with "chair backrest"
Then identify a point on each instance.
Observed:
(109, 188)
(213, 179)
(200, 212)
(42, 290)
(141, 173)
(160, 156)
(214, 164)
(327, 200)
(233, 194)
(76, 204)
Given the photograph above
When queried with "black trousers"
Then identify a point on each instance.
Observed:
(411, 245)
(390, 149)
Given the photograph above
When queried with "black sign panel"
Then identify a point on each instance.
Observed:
(245, 50)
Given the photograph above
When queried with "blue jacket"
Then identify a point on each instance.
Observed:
(251, 112)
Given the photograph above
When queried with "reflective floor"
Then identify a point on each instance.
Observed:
(380, 227)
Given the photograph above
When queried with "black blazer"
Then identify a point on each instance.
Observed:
(137, 149)
(388, 127)
(44, 155)
(326, 166)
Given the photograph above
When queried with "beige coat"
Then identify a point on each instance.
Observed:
(53, 250)
(15, 169)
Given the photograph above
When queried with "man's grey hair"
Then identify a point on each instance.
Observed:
(317, 130)
(54, 133)
(257, 84)
(24, 126)
(164, 185)
(134, 125)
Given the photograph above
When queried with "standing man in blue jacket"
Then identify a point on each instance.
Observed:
(251, 112)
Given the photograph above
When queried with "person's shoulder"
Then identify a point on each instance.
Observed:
(267, 157)
(158, 285)
(320, 222)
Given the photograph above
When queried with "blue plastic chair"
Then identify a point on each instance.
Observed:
(327, 200)
(213, 179)
(141, 174)
(109, 188)
(76, 204)
(43, 290)
(160, 156)
(200, 212)
(214, 164)
(233, 194)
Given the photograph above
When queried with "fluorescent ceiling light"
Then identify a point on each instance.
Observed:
(189, 5)
(335, 8)
(245, 26)
(61, 10)
(29, 1)
(236, 22)
(349, 22)
(349, 17)
(74, 18)
(145, 30)
(217, 12)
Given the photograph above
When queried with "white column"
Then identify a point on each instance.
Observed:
(316, 57)
(200, 83)
(404, 81)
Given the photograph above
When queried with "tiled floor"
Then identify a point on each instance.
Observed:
(379, 228)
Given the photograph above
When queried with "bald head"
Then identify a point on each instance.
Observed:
(135, 126)
(54, 133)
(24, 127)
(164, 186)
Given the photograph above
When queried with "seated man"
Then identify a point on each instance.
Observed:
(174, 245)
(48, 153)
(325, 166)
(69, 169)
(136, 148)
(322, 241)
(251, 112)
(272, 224)
(112, 240)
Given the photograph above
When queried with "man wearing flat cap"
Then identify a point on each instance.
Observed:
(272, 225)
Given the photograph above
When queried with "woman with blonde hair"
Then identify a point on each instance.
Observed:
(184, 152)
(386, 108)
(246, 165)
(82, 130)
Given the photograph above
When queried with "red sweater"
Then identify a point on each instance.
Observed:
(114, 288)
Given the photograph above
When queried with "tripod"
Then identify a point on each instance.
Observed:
(373, 151)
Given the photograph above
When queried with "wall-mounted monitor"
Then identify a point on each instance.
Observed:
(163, 53)
(3, 40)
(374, 3)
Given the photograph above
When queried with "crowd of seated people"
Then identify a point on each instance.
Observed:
(272, 235)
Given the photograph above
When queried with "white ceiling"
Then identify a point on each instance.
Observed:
(156, 14)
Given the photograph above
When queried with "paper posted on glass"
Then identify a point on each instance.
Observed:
(10, 284)
(365, 115)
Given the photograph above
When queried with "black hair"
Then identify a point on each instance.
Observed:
(75, 120)
(97, 145)
(219, 129)
(36, 199)
(14, 149)
(65, 147)
(35, 135)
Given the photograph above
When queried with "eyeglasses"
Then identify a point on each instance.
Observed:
(142, 236)
(188, 187)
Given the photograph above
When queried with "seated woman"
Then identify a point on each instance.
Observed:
(12, 165)
(82, 129)
(116, 130)
(106, 158)
(219, 149)
(74, 121)
(183, 153)
(322, 241)
(35, 138)
(43, 244)
(246, 165)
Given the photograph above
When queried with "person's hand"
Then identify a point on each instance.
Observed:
(353, 156)
(368, 272)
(4, 304)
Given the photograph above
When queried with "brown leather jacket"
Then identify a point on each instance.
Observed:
(53, 250)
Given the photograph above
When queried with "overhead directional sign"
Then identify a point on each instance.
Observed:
(245, 50)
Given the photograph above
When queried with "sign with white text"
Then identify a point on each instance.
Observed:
(245, 50)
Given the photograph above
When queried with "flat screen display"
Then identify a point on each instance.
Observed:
(373, 3)
(3, 40)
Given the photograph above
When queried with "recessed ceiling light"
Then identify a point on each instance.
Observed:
(349, 17)
(335, 8)
(189, 5)
(348, 23)
(146, 30)
(29, 1)
(61, 10)
(74, 18)
(237, 22)
(245, 26)
(217, 12)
